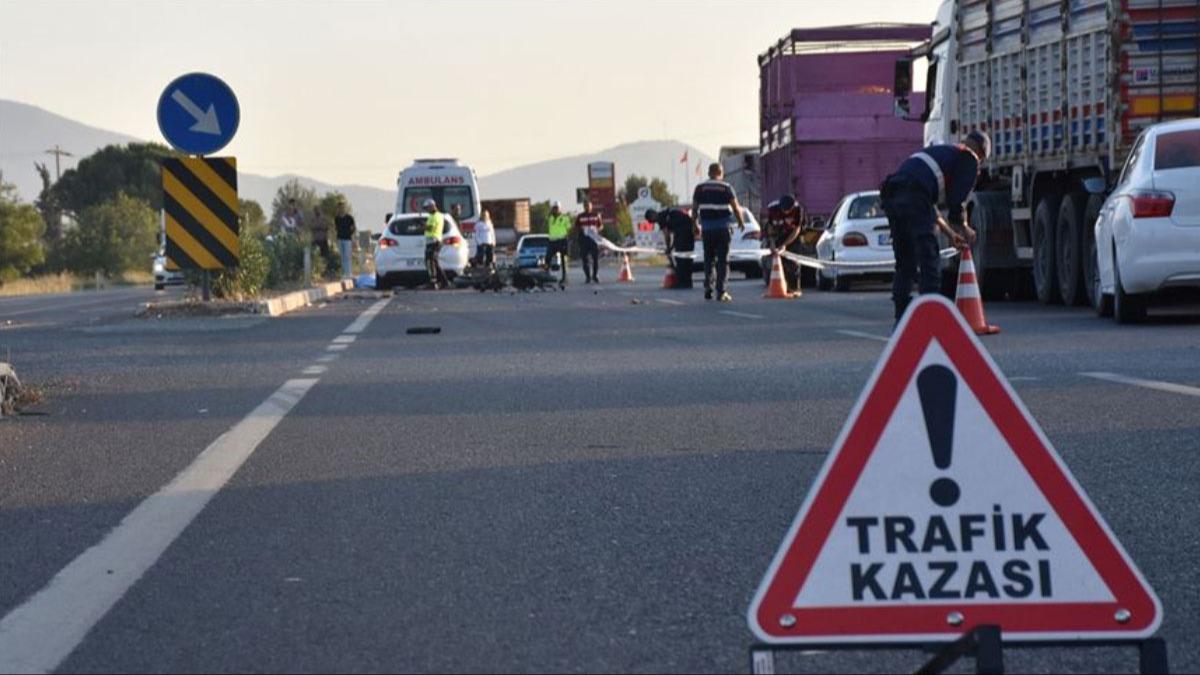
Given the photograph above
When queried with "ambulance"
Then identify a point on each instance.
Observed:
(448, 183)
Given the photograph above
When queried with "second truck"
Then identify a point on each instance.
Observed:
(1064, 87)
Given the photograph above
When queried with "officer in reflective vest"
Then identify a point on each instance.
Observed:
(435, 226)
(558, 227)
(938, 176)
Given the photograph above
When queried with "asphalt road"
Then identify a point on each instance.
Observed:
(68, 309)
(570, 482)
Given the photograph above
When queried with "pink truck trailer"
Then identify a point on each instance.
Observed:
(827, 113)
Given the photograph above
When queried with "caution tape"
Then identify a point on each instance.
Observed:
(758, 254)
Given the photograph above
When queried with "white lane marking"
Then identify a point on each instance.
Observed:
(344, 339)
(337, 348)
(315, 370)
(668, 301)
(868, 336)
(1168, 387)
(360, 324)
(1024, 378)
(743, 315)
(37, 636)
(43, 631)
(328, 358)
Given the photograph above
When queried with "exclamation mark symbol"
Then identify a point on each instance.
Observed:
(938, 388)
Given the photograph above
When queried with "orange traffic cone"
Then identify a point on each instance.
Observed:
(626, 273)
(777, 289)
(669, 279)
(968, 299)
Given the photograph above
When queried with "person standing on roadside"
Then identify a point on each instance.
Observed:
(319, 230)
(716, 207)
(558, 226)
(292, 221)
(346, 228)
(785, 222)
(679, 235)
(588, 225)
(435, 227)
(485, 240)
(938, 175)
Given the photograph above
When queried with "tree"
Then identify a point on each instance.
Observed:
(306, 201)
(659, 191)
(21, 228)
(539, 217)
(47, 204)
(252, 220)
(113, 237)
(134, 169)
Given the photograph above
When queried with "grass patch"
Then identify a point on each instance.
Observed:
(66, 283)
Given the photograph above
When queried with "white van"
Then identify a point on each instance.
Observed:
(448, 183)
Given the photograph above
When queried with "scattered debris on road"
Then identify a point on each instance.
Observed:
(10, 390)
(424, 330)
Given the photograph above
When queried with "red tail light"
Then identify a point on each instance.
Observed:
(1151, 204)
(854, 239)
(388, 242)
(452, 241)
(752, 236)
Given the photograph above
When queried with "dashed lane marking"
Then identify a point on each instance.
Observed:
(668, 301)
(315, 370)
(337, 348)
(344, 339)
(43, 631)
(1169, 387)
(741, 315)
(866, 336)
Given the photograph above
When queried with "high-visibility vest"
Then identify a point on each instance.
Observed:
(435, 224)
(558, 226)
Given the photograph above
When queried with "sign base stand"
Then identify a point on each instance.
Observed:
(982, 642)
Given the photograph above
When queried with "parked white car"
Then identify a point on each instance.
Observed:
(400, 252)
(1148, 231)
(857, 232)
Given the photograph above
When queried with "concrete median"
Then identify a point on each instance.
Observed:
(290, 302)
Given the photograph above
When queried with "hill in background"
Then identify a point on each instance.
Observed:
(27, 131)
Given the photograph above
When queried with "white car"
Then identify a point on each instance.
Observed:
(857, 232)
(1148, 231)
(400, 252)
(164, 277)
(747, 242)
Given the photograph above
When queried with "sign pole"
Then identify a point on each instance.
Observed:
(206, 285)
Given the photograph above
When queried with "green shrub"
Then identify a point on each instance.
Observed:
(249, 278)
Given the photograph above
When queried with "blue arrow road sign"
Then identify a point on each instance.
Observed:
(198, 114)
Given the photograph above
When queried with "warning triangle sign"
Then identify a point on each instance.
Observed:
(943, 507)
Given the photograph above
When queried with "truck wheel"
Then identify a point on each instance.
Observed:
(1127, 307)
(992, 222)
(1045, 272)
(1091, 260)
(1069, 240)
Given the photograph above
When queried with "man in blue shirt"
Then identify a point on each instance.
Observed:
(940, 175)
(715, 205)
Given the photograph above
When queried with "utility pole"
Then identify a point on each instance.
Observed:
(58, 153)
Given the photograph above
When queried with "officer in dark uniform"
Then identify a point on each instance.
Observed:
(716, 207)
(679, 233)
(940, 175)
(785, 222)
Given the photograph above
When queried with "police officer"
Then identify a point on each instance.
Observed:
(679, 235)
(939, 175)
(716, 207)
(785, 222)
(435, 227)
(558, 227)
(588, 225)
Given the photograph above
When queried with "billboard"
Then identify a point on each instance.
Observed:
(602, 189)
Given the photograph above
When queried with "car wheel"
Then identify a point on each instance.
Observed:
(1127, 307)
(381, 283)
(1045, 268)
(1069, 249)
(160, 287)
(1091, 257)
(841, 284)
(823, 283)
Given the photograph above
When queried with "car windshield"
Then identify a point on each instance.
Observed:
(446, 197)
(1177, 150)
(531, 245)
(406, 227)
(866, 208)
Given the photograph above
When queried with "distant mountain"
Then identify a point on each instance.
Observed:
(27, 131)
(558, 178)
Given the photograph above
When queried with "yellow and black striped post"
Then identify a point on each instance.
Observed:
(200, 202)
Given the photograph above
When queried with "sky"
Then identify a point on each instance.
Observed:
(351, 91)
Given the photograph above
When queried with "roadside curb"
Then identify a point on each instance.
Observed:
(301, 299)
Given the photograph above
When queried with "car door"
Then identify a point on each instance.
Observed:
(1105, 234)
